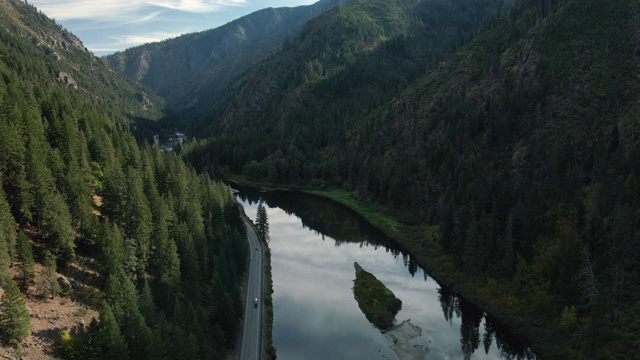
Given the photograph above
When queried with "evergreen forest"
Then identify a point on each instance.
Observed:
(497, 141)
(501, 137)
(156, 248)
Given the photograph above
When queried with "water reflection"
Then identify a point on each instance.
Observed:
(323, 216)
(314, 243)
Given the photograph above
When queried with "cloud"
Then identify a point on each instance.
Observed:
(95, 10)
(198, 6)
(126, 41)
(144, 19)
(126, 10)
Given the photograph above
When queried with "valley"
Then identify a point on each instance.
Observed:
(493, 145)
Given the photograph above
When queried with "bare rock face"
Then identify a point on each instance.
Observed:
(66, 41)
(67, 79)
(51, 53)
(146, 102)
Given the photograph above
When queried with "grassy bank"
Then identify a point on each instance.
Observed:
(374, 215)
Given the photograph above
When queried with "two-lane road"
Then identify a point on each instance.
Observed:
(252, 324)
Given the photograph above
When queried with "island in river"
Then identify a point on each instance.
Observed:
(380, 306)
(376, 301)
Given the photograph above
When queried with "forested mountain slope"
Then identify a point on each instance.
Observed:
(515, 131)
(345, 63)
(164, 246)
(192, 68)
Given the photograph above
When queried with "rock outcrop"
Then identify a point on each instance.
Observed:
(67, 79)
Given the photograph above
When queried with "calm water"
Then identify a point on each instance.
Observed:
(314, 243)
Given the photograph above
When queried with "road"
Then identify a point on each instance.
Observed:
(252, 324)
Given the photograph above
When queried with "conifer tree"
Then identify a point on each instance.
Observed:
(145, 303)
(137, 216)
(15, 322)
(159, 344)
(61, 233)
(4, 256)
(26, 264)
(40, 177)
(7, 233)
(108, 341)
(111, 247)
(123, 299)
(262, 222)
(49, 283)
(12, 165)
(79, 196)
(169, 276)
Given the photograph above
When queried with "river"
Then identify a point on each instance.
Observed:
(314, 243)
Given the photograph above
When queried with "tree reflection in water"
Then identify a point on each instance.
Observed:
(455, 306)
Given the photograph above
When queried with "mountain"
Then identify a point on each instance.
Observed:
(89, 219)
(317, 89)
(512, 127)
(71, 63)
(192, 68)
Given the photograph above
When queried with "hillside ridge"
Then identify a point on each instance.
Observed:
(192, 68)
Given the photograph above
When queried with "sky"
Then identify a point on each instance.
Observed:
(107, 26)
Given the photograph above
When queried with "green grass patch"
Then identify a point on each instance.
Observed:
(375, 216)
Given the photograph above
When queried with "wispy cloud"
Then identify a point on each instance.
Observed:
(78, 9)
(144, 19)
(120, 42)
(126, 41)
(198, 6)
(126, 10)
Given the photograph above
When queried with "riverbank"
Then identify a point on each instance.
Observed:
(268, 350)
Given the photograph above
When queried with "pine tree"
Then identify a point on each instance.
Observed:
(26, 264)
(108, 341)
(137, 216)
(262, 222)
(12, 165)
(169, 276)
(159, 344)
(49, 283)
(145, 303)
(15, 322)
(61, 233)
(40, 177)
(138, 334)
(121, 295)
(7, 233)
(111, 247)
